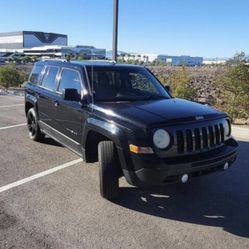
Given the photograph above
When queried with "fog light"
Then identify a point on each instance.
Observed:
(184, 178)
(226, 165)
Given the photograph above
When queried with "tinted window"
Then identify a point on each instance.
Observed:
(125, 84)
(49, 80)
(36, 75)
(70, 79)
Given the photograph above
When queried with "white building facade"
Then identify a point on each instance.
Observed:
(167, 59)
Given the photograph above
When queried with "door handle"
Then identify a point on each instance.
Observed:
(56, 103)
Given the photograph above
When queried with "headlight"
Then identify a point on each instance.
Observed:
(161, 139)
(227, 128)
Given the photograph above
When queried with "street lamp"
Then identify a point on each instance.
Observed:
(115, 30)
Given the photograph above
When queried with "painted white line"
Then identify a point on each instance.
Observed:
(12, 126)
(5, 106)
(39, 175)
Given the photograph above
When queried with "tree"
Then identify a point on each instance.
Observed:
(239, 57)
(10, 77)
(27, 59)
(180, 85)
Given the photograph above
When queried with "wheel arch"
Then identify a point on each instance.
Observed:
(30, 102)
(28, 105)
(97, 131)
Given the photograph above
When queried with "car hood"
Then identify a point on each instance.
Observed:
(158, 111)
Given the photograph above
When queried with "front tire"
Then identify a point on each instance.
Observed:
(34, 130)
(108, 170)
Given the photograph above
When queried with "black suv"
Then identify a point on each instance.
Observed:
(123, 117)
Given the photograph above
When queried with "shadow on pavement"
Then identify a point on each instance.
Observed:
(220, 200)
(50, 141)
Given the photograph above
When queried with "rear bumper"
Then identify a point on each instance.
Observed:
(157, 171)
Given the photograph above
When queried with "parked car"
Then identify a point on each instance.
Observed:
(123, 117)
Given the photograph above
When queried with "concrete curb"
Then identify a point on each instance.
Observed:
(240, 132)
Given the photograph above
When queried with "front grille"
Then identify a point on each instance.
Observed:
(199, 138)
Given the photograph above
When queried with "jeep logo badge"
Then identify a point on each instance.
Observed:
(199, 117)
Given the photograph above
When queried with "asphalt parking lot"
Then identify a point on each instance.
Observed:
(63, 209)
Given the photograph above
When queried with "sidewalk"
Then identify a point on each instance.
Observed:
(241, 133)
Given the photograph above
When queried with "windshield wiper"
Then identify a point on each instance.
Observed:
(153, 97)
(133, 98)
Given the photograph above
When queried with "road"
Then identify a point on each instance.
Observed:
(61, 207)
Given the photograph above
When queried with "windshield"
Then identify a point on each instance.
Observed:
(124, 84)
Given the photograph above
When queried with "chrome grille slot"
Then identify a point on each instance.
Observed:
(189, 140)
(204, 137)
(222, 133)
(217, 134)
(180, 141)
(211, 135)
(197, 139)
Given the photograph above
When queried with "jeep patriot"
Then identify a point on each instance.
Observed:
(123, 117)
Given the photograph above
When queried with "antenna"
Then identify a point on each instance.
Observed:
(92, 90)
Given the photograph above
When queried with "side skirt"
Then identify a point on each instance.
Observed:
(61, 138)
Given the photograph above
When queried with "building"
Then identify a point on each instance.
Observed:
(167, 59)
(139, 57)
(32, 43)
(181, 60)
(215, 61)
(30, 39)
(85, 51)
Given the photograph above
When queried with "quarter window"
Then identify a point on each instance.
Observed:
(70, 79)
(49, 81)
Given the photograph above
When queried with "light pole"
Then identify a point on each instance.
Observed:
(115, 30)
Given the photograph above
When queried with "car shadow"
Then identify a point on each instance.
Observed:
(220, 200)
(50, 141)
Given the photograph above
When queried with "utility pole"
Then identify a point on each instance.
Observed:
(115, 30)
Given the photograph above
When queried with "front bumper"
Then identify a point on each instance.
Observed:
(152, 170)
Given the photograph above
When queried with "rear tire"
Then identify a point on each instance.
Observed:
(108, 170)
(32, 122)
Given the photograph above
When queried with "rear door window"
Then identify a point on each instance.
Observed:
(36, 74)
(49, 81)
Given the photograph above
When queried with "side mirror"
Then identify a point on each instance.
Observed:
(167, 87)
(70, 94)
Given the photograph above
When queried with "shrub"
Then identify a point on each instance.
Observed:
(180, 85)
(10, 77)
(234, 90)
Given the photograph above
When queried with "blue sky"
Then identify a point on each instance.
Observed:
(208, 28)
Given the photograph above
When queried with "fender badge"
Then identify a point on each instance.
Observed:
(199, 117)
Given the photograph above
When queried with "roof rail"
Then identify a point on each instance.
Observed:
(53, 59)
(105, 61)
(89, 62)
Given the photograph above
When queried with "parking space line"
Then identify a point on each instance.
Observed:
(5, 106)
(39, 175)
(12, 126)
